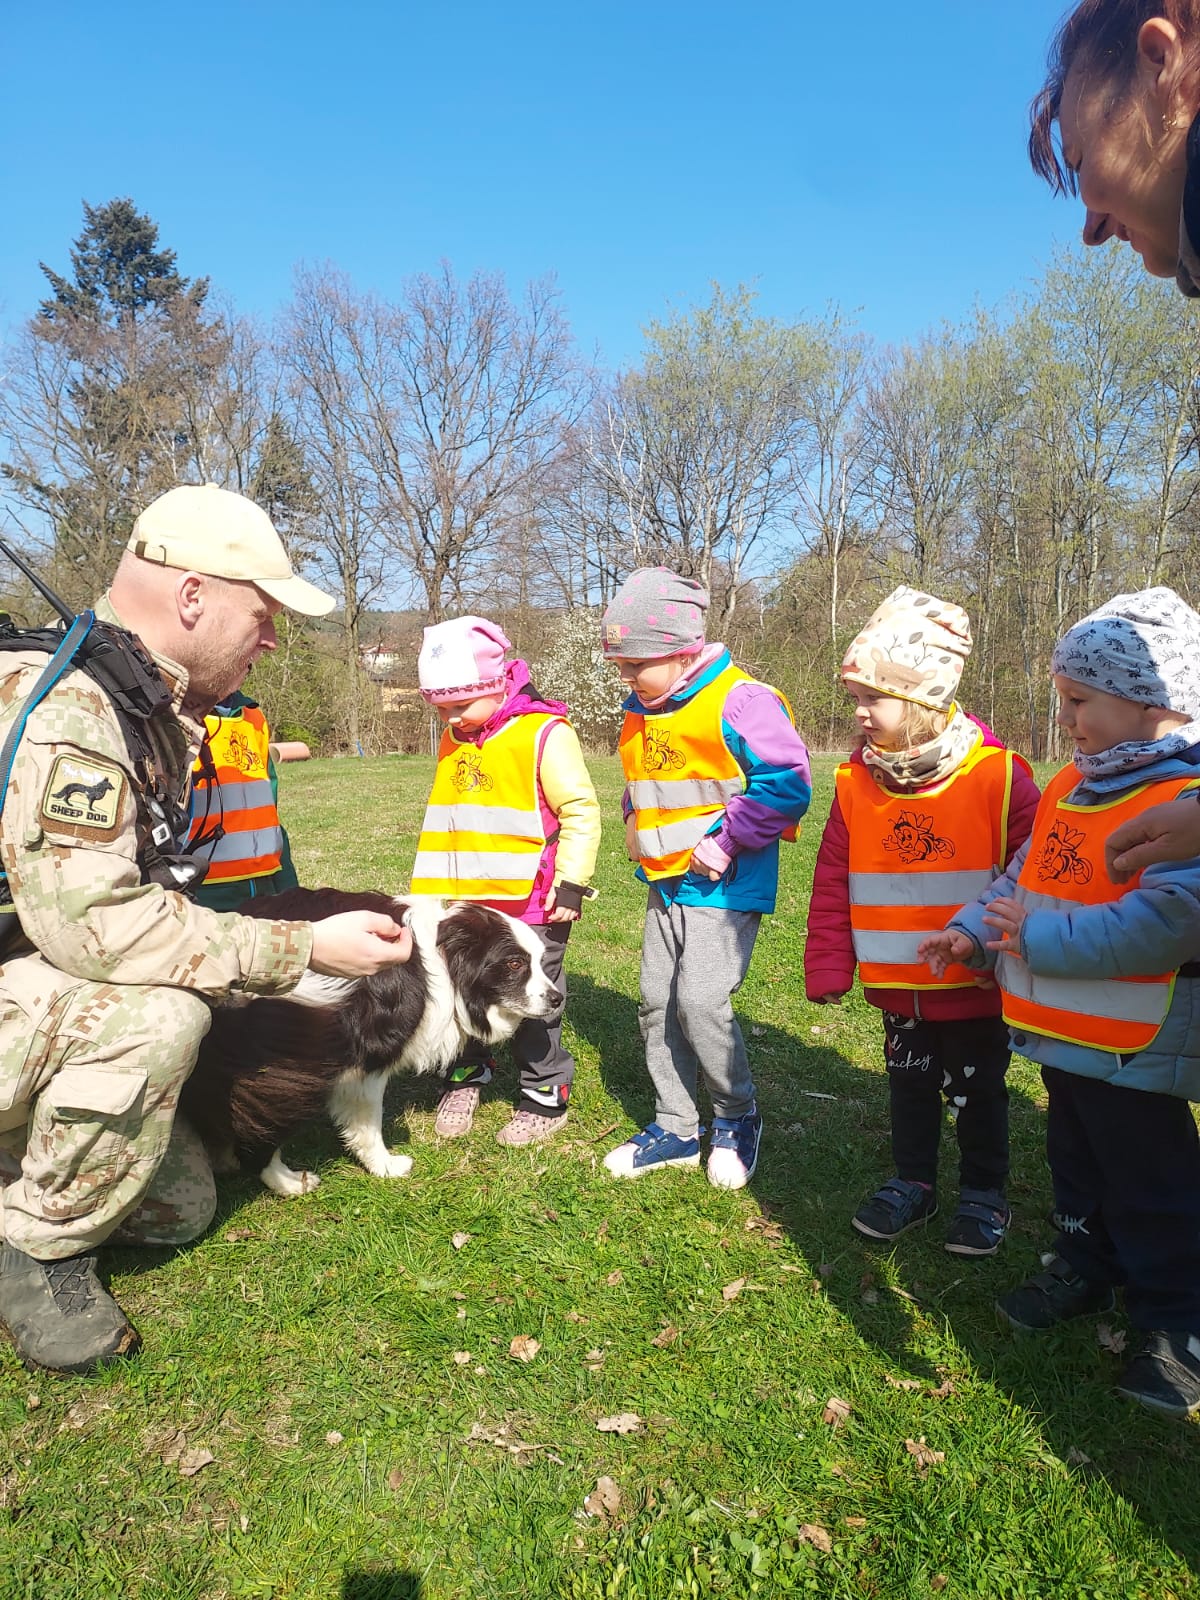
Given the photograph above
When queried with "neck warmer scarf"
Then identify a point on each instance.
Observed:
(906, 771)
(1119, 759)
(703, 661)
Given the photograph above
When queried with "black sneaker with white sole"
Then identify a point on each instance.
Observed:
(1052, 1296)
(1165, 1374)
(894, 1208)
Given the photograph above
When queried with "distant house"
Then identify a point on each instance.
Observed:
(380, 661)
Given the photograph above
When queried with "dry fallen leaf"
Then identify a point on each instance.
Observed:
(604, 1500)
(666, 1337)
(524, 1347)
(870, 1297)
(943, 1391)
(573, 1316)
(772, 1232)
(460, 1239)
(1076, 1458)
(732, 1290)
(191, 1462)
(504, 1439)
(923, 1455)
(855, 1522)
(812, 1533)
(334, 1437)
(614, 1278)
(836, 1411)
(1108, 1339)
(625, 1422)
(902, 1383)
(939, 1581)
(462, 1358)
(395, 1478)
(236, 1235)
(32, 1402)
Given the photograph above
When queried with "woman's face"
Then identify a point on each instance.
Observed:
(1129, 158)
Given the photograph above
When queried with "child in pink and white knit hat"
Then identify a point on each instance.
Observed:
(463, 659)
(512, 822)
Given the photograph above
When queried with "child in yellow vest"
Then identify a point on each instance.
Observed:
(923, 814)
(716, 775)
(513, 822)
(1101, 987)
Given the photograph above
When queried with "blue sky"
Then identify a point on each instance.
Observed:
(870, 154)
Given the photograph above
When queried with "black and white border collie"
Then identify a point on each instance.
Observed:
(270, 1065)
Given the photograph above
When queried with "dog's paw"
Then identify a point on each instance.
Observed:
(284, 1180)
(393, 1166)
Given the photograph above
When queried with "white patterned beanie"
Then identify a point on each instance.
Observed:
(914, 646)
(1143, 647)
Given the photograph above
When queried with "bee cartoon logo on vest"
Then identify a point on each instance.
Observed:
(913, 839)
(659, 755)
(242, 753)
(1060, 858)
(467, 774)
(83, 795)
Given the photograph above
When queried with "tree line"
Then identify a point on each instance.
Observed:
(450, 449)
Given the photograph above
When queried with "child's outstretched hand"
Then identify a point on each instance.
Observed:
(1006, 916)
(942, 950)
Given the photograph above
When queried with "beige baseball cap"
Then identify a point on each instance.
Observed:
(203, 528)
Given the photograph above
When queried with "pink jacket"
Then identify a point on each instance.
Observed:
(829, 951)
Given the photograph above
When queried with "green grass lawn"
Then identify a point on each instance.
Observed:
(345, 1362)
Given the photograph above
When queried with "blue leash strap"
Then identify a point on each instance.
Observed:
(49, 676)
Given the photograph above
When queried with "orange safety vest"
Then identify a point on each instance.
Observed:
(681, 774)
(239, 797)
(1065, 868)
(916, 859)
(484, 835)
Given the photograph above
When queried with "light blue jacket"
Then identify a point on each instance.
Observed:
(1151, 929)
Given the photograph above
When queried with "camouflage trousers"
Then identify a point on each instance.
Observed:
(90, 1075)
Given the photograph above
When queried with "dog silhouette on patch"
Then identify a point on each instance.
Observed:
(92, 792)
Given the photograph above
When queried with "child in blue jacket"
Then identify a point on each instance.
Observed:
(715, 775)
(1101, 987)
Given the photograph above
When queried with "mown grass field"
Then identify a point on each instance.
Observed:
(346, 1362)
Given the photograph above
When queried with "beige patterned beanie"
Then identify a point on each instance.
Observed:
(914, 646)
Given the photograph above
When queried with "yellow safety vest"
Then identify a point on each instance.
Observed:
(484, 836)
(680, 773)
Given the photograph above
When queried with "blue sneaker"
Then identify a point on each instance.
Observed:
(654, 1147)
(734, 1153)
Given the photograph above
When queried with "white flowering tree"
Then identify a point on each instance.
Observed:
(573, 669)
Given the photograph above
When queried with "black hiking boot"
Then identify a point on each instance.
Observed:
(58, 1314)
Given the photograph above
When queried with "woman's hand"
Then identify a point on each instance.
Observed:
(1170, 832)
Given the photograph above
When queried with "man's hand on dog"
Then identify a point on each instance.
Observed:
(354, 944)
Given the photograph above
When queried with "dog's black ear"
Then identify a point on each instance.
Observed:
(466, 935)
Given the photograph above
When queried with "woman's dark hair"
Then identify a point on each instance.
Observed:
(1103, 34)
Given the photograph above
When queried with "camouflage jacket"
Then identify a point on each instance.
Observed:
(69, 842)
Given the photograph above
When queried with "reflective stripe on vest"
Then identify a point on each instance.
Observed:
(484, 835)
(916, 859)
(240, 798)
(680, 774)
(1065, 868)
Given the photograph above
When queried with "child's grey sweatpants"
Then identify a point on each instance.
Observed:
(693, 959)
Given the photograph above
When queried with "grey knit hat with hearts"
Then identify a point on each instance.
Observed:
(1143, 647)
(655, 613)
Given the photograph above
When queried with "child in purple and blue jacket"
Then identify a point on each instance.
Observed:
(716, 775)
